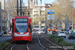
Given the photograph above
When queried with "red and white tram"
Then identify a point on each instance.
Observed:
(21, 29)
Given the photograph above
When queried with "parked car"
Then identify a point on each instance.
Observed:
(40, 31)
(70, 31)
(72, 35)
(66, 32)
(62, 34)
(35, 31)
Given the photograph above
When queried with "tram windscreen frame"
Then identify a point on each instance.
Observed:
(21, 25)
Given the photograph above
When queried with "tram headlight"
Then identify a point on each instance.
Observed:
(15, 34)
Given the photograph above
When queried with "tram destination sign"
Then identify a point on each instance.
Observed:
(23, 19)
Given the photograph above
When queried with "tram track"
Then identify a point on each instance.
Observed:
(46, 44)
(20, 47)
(40, 42)
(14, 46)
(34, 45)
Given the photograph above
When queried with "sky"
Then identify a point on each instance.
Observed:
(39, 3)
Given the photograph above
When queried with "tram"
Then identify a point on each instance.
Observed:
(21, 28)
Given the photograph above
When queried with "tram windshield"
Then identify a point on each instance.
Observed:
(21, 25)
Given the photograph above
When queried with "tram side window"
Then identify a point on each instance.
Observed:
(13, 28)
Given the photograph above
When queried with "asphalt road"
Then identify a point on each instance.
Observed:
(5, 38)
(69, 40)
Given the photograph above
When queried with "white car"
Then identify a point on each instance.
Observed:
(35, 31)
(61, 34)
(40, 31)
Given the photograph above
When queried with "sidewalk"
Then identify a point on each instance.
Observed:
(6, 34)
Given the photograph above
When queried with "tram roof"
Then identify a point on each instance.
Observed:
(22, 17)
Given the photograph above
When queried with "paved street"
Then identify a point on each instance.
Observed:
(5, 37)
(69, 40)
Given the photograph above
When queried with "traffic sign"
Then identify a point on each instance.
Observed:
(50, 17)
(50, 11)
(33, 15)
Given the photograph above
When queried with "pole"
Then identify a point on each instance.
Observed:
(51, 23)
(8, 21)
(72, 22)
(17, 9)
(45, 20)
(41, 2)
(51, 20)
(20, 7)
(40, 18)
(0, 19)
(66, 23)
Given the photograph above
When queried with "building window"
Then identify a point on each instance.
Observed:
(35, 11)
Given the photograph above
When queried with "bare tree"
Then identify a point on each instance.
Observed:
(63, 8)
(10, 6)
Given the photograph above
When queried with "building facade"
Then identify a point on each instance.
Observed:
(3, 17)
(39, 15)
(32, 3)
(2, 4)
